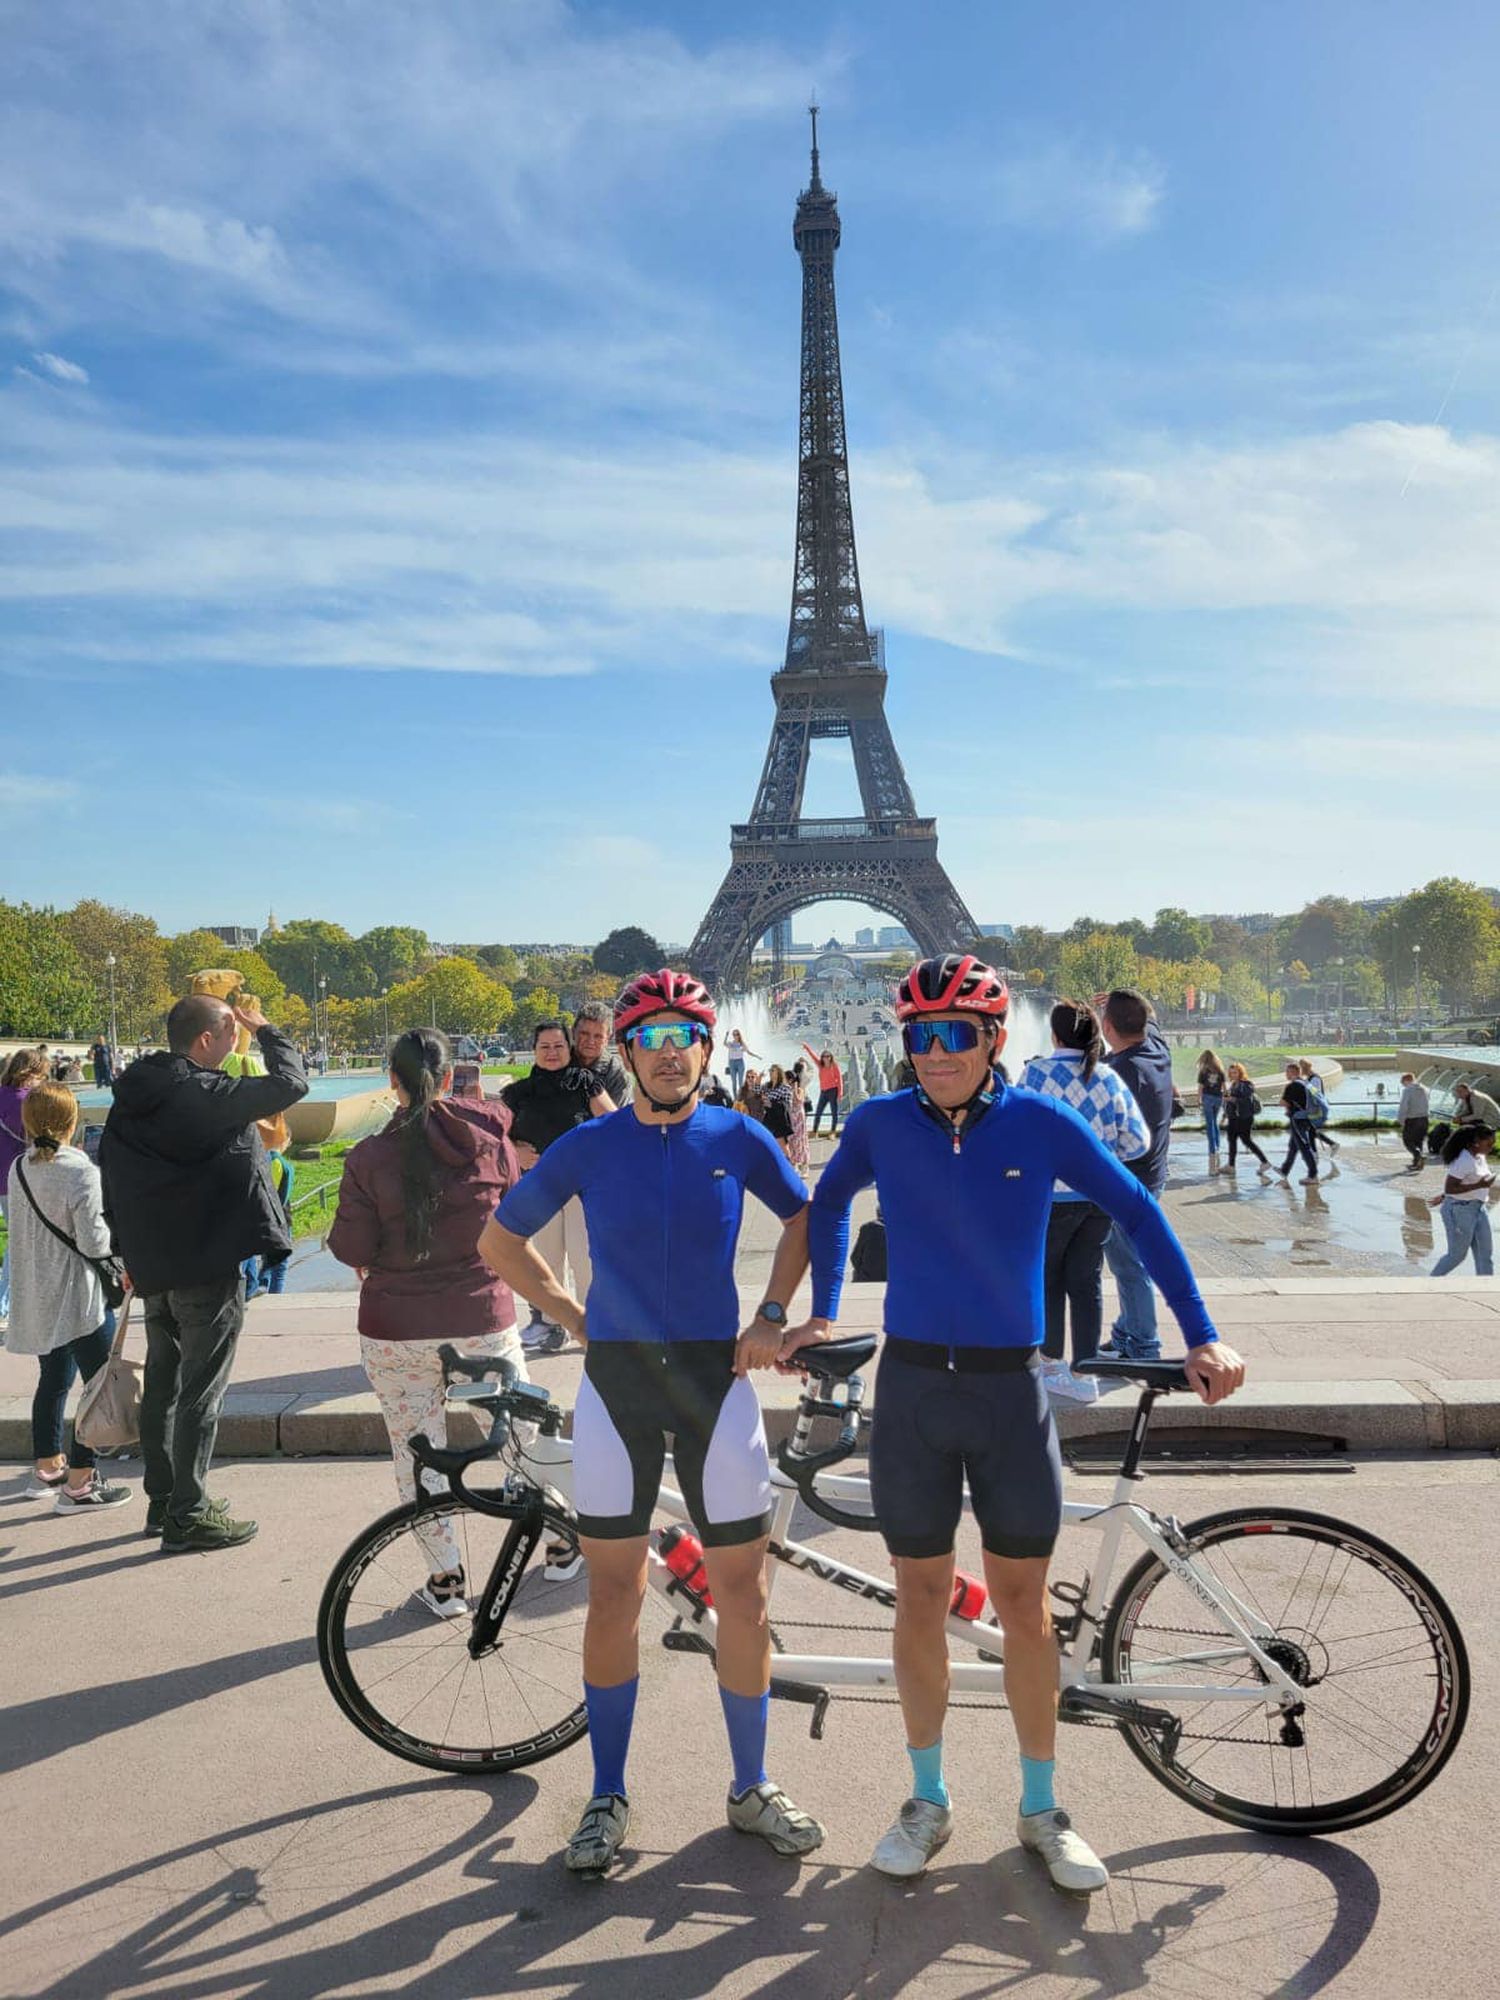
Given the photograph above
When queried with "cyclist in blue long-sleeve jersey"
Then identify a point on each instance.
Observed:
(662, 1184)
(964, 1167)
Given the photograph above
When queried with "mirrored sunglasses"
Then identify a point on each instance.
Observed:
(667, 1034)
(955, 1036)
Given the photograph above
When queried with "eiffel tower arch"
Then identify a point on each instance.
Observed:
(831, 684)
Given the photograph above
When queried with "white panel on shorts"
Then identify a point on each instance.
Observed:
(737, 1470)
(603, 1480)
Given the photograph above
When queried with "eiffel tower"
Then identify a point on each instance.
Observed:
(831, 684)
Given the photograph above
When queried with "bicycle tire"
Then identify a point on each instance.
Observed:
(355, 1691)
(1272, 1531)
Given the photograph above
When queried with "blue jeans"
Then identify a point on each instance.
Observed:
(1467, 1224)
(1211, 1106)
(57, 1372)
(736, 1068)
(1135, 1327)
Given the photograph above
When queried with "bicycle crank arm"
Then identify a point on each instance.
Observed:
(1079, 1705)
(815, 1698)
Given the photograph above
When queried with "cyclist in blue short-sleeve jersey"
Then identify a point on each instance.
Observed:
(662, 1183)
(964, 1166)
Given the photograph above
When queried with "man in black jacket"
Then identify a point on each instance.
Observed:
(188, 1196)
(1142, 1061)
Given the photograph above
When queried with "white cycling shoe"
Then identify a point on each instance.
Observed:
(599, 1836)
(767, 1812)
(1071, 1862)
(907, 1847)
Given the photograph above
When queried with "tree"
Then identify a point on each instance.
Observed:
(190, 952)
(308, 950)
(628, 950)
(142, 994)
(1176, 935)
(1034, 946)
(45, 989)
(1242, 992)
(460, 994)
(393, 952)
(501, 960)
(1330, 927)
(1095, 963)
(540, 1004)
(1455, 924)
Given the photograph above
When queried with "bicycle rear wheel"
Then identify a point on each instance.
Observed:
(408, 1679)
(1360, 1629)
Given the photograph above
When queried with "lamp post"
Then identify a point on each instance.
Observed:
(323, 1037)
(385, 1008)
(1339, 1012)
(1416, 980)
(109, 960)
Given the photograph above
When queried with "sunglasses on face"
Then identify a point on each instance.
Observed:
(956, 1037)
(654, 1035)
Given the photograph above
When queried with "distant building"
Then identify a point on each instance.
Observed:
(238, 937)
(866, 937)
(895, 937)
(779, 937)
(1006, 931)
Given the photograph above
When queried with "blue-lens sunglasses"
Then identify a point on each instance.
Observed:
(955, 1036)
(667, 1034)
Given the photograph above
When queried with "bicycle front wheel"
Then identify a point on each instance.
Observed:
(409, 1679)
(1374, 1648)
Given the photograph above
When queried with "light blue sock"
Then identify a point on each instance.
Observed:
(745, 1718)
(611, 1713)
(927, 1774)
(1036, 1784)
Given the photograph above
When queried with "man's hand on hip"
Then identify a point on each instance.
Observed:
(1214, 1371)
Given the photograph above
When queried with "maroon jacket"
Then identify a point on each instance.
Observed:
(453, 1294)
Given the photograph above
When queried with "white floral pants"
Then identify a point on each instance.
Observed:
(407, 1378)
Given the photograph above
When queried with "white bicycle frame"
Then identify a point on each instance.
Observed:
(549, 1461)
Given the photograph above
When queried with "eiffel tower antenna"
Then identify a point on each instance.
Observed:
(831, 684)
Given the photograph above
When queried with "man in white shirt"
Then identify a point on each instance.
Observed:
(1413, 1113)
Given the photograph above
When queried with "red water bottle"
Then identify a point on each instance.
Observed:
(682, 1552)
(968, 1595)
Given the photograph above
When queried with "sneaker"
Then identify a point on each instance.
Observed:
(766, 1811)
(1077, 1388)
(45, 1485)
(599, 1836)
(907, 1847)
(1071, 1862)
(1054, 1376)
(156, 1517)
(100, 1492)
(564, 1561)
(444, 1595)
(210, 1530)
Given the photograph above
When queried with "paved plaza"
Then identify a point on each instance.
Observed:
(231, 1835)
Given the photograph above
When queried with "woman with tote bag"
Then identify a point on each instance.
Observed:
(57, 1308)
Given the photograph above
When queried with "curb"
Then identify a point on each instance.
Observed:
(1363, 1416)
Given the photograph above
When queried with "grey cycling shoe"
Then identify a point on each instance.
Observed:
(907, 1847)
(766, 1811)
(599, 1836)
(1071, 1862)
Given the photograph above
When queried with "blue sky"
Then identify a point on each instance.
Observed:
(398, 422)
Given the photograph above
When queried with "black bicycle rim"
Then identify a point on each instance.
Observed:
(1361, 1703)
(406, 1679)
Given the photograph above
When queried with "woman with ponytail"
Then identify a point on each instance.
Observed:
(412, 1203)
(1076, 1229)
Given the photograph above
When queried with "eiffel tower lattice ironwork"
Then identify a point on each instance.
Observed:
(832, 684)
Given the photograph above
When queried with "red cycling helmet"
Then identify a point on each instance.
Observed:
(955, 983)
(664, 992)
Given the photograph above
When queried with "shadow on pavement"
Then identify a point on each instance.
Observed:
(295, 1906)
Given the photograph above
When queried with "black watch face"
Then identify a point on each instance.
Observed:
(774, 1315)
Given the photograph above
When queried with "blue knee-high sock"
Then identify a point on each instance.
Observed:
(927, 1774)
(1036, 1784)
(611, 1713)
(745, 1719)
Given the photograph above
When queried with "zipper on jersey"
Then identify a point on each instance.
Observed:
(666, 1226)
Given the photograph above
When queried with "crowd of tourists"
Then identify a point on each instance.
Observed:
(606, 1190)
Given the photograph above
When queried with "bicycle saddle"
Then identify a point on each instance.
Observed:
(838, 1359)
(1151, 1374)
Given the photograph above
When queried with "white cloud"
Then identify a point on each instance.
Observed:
(60, 369)
(1064, 186)
(21, 792)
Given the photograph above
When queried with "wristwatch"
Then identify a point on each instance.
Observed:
(771, 1313)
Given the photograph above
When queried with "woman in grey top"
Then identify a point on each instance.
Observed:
(57, 1309)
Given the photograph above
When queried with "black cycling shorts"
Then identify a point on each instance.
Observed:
(935, 1429)
(635, 1393)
